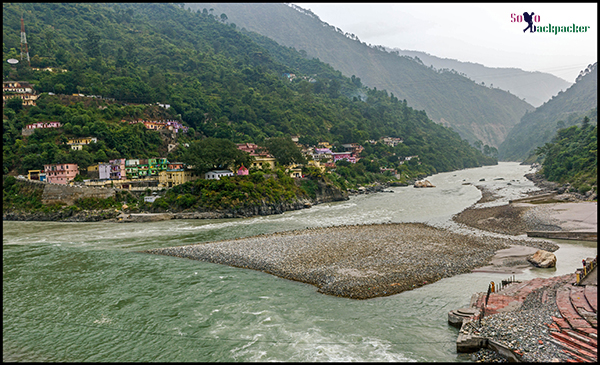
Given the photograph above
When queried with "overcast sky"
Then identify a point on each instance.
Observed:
(480, 33)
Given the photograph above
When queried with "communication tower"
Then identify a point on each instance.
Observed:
(24, 42)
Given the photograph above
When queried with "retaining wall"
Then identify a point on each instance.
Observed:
(565, 235)
(55, 193)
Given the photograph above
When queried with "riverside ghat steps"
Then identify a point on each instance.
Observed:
(574, 332)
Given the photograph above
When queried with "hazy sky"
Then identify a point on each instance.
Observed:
(480, 33)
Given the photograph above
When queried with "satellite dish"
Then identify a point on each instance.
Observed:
(12, 61)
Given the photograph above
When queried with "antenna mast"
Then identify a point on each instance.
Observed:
(24, 42)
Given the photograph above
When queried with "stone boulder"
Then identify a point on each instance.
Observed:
(424, 184)
(542, 259)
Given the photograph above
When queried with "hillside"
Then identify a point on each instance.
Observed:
(572, 156)
(218, 81)
(533, 87)
(476, 112)
(565, 109)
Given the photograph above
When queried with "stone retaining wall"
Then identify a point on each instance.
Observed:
(55, 193)
(565, 235)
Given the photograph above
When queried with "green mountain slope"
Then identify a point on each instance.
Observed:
(217, 80)
(533, 87)
(565, 109)
(476, 112)
(572, 156)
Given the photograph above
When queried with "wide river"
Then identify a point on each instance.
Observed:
(83, 292)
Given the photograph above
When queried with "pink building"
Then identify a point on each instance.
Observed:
(343, 156)
(253, 149)
(117, 169)
(43, 125)
(61, 173)
(175, 166)
(242, 171)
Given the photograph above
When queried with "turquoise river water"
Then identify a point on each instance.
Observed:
(84, 292)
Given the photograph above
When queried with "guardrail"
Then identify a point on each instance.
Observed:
(585, 271)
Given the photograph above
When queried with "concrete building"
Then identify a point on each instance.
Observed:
(61, 173)
(217, 174)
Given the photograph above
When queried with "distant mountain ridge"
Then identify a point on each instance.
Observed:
(534, 87)
(565, 109)
(474, 111)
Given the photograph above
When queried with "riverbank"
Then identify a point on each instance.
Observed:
(37, 201)
(556, 212)
(357, 262)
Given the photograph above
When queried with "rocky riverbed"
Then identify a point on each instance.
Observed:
(358, 262)
(508, 219)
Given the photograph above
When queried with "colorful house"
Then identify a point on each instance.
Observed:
(37, 175)
(61, 173)
(174, 177)
(264, 162)
(337, 156)
(19, 89)
(175, 165)
(117, 169)
(77, 143)
(242, 171)
(262, 159)
(131, 168)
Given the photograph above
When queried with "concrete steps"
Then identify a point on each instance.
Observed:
(578, 333)
(575, 346)
(581, 305)
(566, 309)
(591, 295)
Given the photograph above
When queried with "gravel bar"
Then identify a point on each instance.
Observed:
(359, 262)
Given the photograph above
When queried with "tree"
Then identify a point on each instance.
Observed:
(215, 153)
(284, 150)
(586, 122)
(92, 44)
(223, 17)
(15, 104)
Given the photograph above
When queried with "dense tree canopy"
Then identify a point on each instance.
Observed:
(572, 156)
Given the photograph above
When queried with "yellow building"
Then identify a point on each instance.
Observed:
(77, 143)
(316, 164)
(262, 162)
(295, 172)
(34, 174)
(324, 145)
(170, 178)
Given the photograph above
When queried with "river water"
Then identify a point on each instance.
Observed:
(83, 292)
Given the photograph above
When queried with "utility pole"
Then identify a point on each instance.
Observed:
(24, 42)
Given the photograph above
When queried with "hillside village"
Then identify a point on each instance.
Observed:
(157, 173)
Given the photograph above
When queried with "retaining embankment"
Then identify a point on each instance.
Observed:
(57, 193)
(565, 235)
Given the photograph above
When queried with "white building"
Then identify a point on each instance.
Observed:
(104, 171)
(217, 174)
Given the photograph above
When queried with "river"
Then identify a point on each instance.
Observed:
(83, 292)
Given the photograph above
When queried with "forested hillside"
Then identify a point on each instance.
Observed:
(572, 156)
(533, 87)
(475, 111)
(565, 109)
(217, 80)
